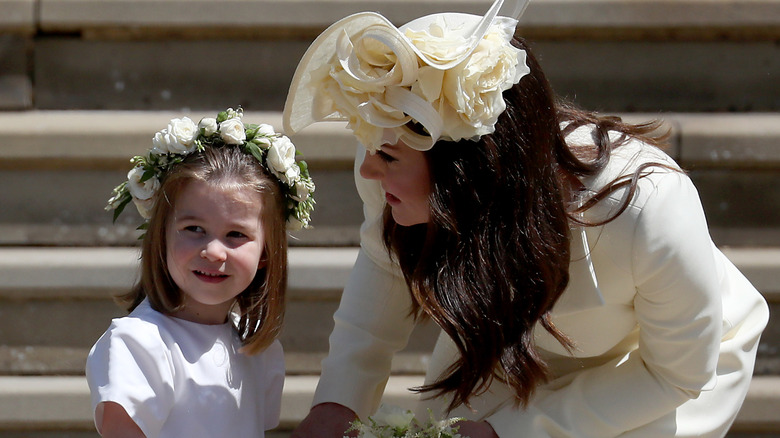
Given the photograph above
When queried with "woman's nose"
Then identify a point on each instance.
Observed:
(214, 251)
(371, 168)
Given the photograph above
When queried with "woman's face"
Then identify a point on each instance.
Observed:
(405, 178)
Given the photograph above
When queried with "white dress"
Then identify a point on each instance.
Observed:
(177, 378)
(665, 327)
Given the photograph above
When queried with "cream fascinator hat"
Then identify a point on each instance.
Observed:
(444, 73)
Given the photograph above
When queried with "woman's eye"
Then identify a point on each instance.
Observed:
(236, 235)
(385, 157)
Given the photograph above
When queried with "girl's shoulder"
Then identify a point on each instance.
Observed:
(141, 329)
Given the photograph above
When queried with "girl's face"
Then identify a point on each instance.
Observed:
(215, 243)
(405, 178)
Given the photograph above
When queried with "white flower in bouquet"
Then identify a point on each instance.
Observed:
(394, 422)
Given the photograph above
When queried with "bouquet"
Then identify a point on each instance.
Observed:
(394, 422)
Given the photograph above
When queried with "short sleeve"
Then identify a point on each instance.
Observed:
(129, 365)
(273, 362)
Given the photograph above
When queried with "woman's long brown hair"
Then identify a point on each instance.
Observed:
(494, 257)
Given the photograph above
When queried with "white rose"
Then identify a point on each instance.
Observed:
(232, 131)
(141, 190)
(474, 88)
(265, 130)
(302, 190)
(438, 42)
(263, 142)
(178, 138)
(208, 125)
(293, 174)
(184, 131)
(281, 157)
(160, 143)
(394, 416)
(144, 207)
(264, 137)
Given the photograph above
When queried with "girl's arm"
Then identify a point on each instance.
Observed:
(117, 424)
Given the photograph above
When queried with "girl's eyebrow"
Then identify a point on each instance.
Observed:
(185, 217)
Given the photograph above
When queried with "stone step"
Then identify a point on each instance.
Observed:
(62, 404)
(615, 55)
(608, 75)
(60, 187)
(46, 289)
(695, 15)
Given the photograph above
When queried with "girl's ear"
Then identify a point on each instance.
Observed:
(263, 261)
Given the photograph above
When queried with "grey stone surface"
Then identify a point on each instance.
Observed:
(729, 140)
(664, 75)
(167, 74)
(76, 14)
(15, 83)
(745, 201)
(611, 76)
(38, 403)
(18, 16)
(66, 208)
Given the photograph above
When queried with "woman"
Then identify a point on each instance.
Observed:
(565, 257)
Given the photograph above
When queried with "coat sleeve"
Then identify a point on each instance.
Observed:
(372, 322)
(679, 314)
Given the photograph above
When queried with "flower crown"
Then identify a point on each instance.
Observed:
(183, 137)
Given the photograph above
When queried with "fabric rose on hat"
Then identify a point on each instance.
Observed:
(474, 88)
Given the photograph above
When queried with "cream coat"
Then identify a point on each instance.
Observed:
(665, 327)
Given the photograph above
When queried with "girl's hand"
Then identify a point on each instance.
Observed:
(476, 429)
(326, 420)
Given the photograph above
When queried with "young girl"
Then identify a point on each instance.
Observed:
(198, 356)
(565, 257)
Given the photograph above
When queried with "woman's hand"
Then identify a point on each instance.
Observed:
(476, 429)
(326, 420)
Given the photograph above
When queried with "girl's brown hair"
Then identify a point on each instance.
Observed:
(261, 305)
(494, 257)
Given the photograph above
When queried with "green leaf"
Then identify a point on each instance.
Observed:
(148, 174)
(250, 132)
(121, 207)
(221, 117)
(304, 168)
